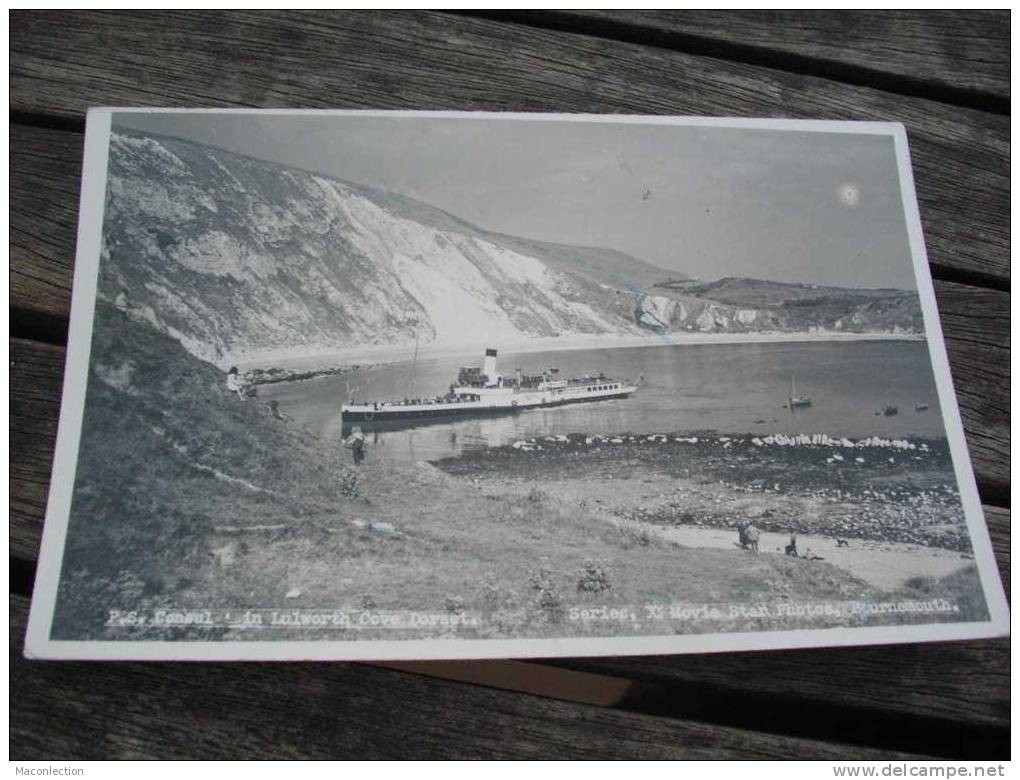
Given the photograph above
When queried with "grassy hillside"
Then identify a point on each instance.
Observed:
(168, 456)
(187, 496)
(740, 291)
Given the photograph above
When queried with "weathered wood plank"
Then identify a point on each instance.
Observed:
(45, 167)
(524, 677)
(333, 711)
(965, 51)
(45, 177)
(819, 693)
(956, 681)
(344, 60)
(45, 170)
(887, 682)
(997, 519)
(888, 679)
(339, 710)
(36, 374)
(975, 322)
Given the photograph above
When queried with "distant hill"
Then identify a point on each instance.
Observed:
(735, 304)
(235, 257)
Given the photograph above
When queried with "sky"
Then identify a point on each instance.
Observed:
(708, 202)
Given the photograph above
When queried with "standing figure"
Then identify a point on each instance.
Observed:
(121, 301)
(235, 383)
(356, 441)
(791, 548)
(748, 536)
(752, 538)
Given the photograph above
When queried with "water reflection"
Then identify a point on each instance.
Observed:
(737, 388)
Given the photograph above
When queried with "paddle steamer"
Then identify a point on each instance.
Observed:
(481, 390)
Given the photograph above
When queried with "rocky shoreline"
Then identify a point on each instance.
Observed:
(269, 376)
(876, 489)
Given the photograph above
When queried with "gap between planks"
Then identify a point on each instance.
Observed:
(706, 34)
(354, 59)
(303, 710)
(898, 670)
(541, 694)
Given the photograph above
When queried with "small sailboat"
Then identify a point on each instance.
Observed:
(797, 401)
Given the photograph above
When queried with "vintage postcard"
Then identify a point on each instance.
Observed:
(414, 385)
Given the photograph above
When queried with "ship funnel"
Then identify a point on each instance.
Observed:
(489, 367)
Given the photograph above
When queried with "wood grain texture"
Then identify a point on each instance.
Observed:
(899, 680)
(335, 711)
(950, 698)
(997, 519)
(904, 680)
(36, 374)
(975, 323)
(45, 181)
(45, 178)
(965, 51)
(436, 61)
(45, 171)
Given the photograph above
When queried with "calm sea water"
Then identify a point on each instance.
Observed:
(730, 388)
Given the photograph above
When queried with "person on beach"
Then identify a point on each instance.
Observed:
(748, 536)
(356, 441)
(235, 383)
(121, 301)
(791, 548)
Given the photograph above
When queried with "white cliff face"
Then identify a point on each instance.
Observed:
(657, 312)
(714, 318)
(234, 256)
(237, 257)
(746, 316)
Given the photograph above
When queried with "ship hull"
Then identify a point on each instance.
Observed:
(385, 413)
(419, 414)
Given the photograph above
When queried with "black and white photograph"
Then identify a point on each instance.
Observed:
(382, 385)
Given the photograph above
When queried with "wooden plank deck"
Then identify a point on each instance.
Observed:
(945, 75)
(951, 56)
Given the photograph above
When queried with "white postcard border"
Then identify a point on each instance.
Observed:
(90, 225)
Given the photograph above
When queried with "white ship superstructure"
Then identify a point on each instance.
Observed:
(483, 390)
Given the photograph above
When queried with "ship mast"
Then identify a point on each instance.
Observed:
(414, 365)
(350, 390)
